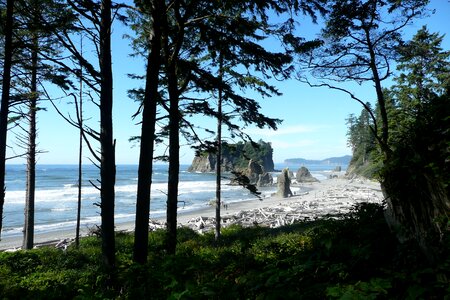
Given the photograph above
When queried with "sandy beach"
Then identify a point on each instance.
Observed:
(336, 195)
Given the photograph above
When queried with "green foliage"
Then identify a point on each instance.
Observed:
(374, 289)
(352, 256)
(362, 140)
(279, 247)
(260, 152)
(241, 153)
(416, 176)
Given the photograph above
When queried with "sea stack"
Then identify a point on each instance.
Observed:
(284, 184)
(303, 175)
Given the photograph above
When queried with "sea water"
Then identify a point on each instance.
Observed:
(56, 195)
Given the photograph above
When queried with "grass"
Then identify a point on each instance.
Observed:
(353, 257)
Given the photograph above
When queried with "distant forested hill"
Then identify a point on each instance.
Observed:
(343, 160)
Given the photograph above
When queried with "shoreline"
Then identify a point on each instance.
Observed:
(327, 196)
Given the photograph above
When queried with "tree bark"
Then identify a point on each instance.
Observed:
(28, 237)
(80, 154)
(219, 152)
(107, 144)
(380, 99)
(140, 249)
(171, 62)
(4, 109)
(174, 161)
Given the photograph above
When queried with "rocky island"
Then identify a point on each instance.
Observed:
(253, 160)
(236, 157)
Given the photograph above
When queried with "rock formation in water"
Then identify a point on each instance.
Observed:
(207, 163)
(284, 184)
(256, 175)
(303, 175)
(236, 157)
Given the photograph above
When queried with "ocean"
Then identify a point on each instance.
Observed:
(57, 194)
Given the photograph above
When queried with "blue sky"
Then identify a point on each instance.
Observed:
(314, 118)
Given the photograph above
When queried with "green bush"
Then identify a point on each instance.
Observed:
(352, 256)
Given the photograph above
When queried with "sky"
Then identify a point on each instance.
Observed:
(314, 119)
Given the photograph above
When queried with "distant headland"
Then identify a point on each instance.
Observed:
(342, 160)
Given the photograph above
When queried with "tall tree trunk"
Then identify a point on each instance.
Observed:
(107, 144)
(80, 153)
(380, 99)
(219, 152)
(174, 161)
(28, 237)
(171, 58)
(4, 109)
(140, 249)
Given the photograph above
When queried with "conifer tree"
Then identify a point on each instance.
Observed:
(239, 26)
(5, 101)
(420, 142)
(362, 39)
(95, 19)
(35, 41)
(155, 11)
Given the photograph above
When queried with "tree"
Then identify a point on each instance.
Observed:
(359, 39)
(36, 57)
(233, 30)
(5, 102)
(28, 239)
(107, 142)
(95, 20)
(363, 144)
(425, 70)
(155, 10)
(195, 25)
(420, 142)
(189, 43)
(32, 39)
(219, 149)
(79, 108)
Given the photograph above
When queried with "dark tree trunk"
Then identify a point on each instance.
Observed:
(140, 250)
(219, 153)
(174, 161)
(80, 180)
(380, 99)
(170, 58)
(28, 232)
(4, 109)
(80, 154)
(107, 164)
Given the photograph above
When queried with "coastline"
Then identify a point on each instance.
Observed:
(314, 200)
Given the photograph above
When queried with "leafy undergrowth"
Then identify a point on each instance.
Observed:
(353, 257)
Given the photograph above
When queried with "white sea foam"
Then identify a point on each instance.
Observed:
(61, 209)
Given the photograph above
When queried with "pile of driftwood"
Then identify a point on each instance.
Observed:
(334, 201)
(268, 216)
